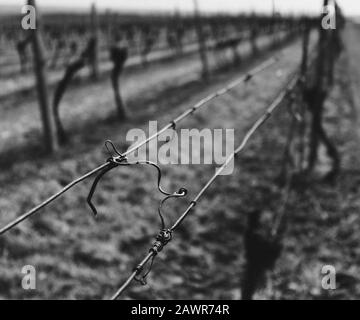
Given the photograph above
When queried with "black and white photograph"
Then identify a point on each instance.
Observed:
(200, 152)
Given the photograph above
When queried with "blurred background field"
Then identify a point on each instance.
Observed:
(79, 257)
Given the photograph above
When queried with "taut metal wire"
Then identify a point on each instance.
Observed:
(120, 157)
(162, 240)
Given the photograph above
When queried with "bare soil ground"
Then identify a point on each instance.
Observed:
(79, 257)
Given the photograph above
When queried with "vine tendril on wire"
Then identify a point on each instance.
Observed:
(165, 235)
(121, 160)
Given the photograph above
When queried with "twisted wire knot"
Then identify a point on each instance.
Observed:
(162, 239)
(117, 160)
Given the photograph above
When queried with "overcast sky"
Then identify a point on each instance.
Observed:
(350, 7)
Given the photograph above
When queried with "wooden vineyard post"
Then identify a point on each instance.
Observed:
(201, 40)
(47, 117)
(316, 99)
(95, 36)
